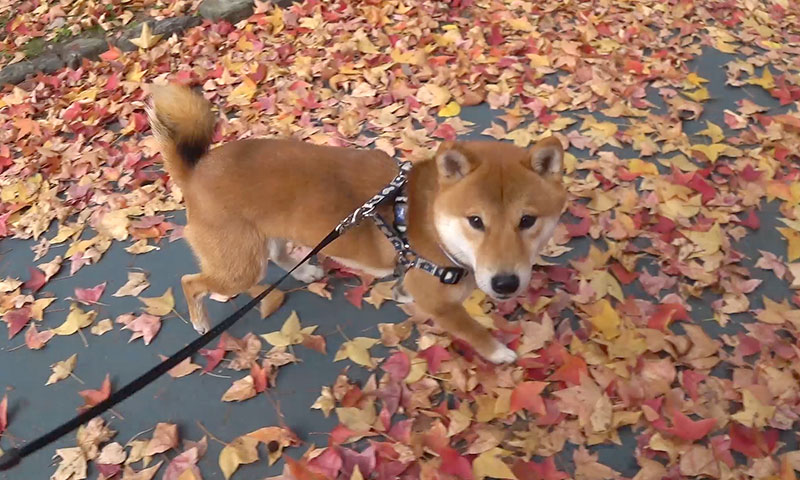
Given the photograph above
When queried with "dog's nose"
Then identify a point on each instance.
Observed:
(505, 284)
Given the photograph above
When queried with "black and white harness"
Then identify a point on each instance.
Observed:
(395, 232)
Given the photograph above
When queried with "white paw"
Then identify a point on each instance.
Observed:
(501, 355)
(308, 273)
(219, 297)
(201, 327)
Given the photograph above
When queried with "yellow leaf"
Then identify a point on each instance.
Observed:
(357, 350)
(62, 369)
(679, 161)
(241, 390)
(696, 80)
(712, 151)
(356, 475)
(244, 92)
(357, 419)
(159, 306)
(76, 319)
(419, 366)
(433, 95)
(136, 73)
(539, 60)
(102, 327)
(489, 464)
(709, 242)
(793, 239)
(146, 38)
(698, 95)
(713, 131)
(640, 167)
(140, 246)
(765, 81)
(39, 306)
(606, 320)
(379, 293)
(754, 414)
(452, 109)
(290, 333)
(520, 23)
(724, 47)
(239, 452)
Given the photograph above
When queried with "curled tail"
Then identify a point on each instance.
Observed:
(183, 124)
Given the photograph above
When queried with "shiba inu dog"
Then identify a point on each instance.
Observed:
(488, 207)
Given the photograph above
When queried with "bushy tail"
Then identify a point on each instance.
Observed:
(183, 124)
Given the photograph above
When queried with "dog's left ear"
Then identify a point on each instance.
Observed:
(547, 157)
(452, 163)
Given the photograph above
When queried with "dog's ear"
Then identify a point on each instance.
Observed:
(547, 157)
(452, 163)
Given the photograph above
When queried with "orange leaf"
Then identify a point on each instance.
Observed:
(527, 396)
(93, 397)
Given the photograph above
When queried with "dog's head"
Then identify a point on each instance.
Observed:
(497, 206)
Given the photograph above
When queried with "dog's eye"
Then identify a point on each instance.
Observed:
(526, 222)
(475, 222)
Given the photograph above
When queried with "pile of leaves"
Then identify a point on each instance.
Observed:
(613, 332)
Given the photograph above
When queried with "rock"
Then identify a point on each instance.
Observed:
(165, 27)
(16, 72)
(48, 63)
(230, 10)
(91, 47)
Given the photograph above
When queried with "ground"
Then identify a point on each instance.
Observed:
(659, 339)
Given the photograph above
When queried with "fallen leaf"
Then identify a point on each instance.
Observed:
(186, 367)
(146, 38)
(62, 369)
(137, 282)
(239, 452)
(159, 306)
(76, 319)
(93, 397)
(357, 350)
(241, 390)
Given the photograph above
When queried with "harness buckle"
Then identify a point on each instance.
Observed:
(451, 275)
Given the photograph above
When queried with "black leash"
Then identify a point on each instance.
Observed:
(14, 456)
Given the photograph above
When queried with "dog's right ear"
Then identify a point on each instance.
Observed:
(452, 163)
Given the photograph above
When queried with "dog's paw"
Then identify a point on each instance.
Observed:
(501, 354)
(308, 273)
(201, 327)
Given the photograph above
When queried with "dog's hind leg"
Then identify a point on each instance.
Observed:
(279, 254)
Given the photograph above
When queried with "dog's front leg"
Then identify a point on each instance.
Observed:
(444, 303)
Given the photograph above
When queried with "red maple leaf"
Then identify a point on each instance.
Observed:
(93, 397)
(527, 396)
(752, 221)
(571, 370)
(3, 414)
(299, 470)
(455, 464)
(751, 442)
(355, 295)
(665, 314)
(435, 355)
(397, 366)
(16, 320)
(36, 281)
(259, 375)
(213, 357)
(89, 296)
(538, 471)
(685, 428)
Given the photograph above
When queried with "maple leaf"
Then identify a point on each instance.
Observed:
(62, 369)
(239, 452)
(73, 464)
(76, 320)
(103, 326)
(526, 396)
(241, 390)
(455, 464)
(489, 464)
(290, 333)
(145, 474)
(434, 356)
(36, 281)
(137, 282)
(93, 397)
(146, 38)
(159, 306)
(36, 340)
(144, 326)
(3, 414)
(357, 350)
(186, 462)
(186, 367)
(88, 296)
(16, 320)
(165, 437)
